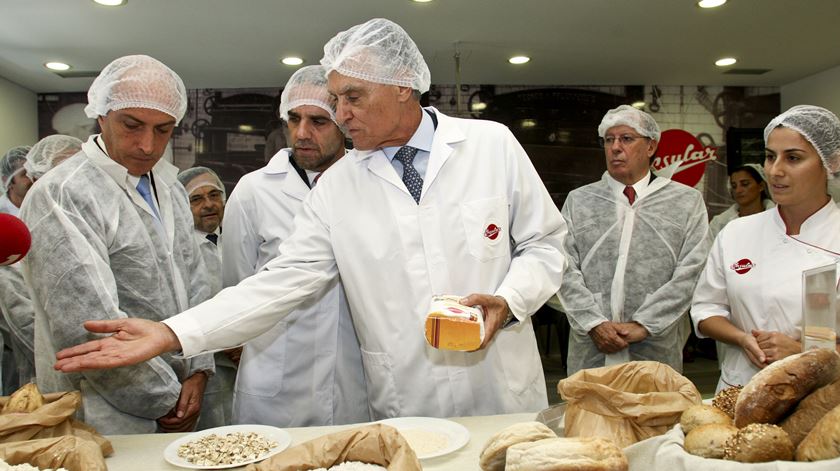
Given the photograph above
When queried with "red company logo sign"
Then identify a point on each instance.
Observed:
(678, 147)
(492, 232)
(742, 266)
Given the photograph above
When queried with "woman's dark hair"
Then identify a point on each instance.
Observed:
(755, 176)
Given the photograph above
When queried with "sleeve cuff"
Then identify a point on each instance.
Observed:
(700, 313)
(189, 334)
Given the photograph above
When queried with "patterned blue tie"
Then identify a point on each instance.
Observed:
(411, 178)
(146, 193)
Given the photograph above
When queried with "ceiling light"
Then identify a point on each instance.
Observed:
(292, 60)
(725, 61)
(57, 66)
(110, 3)
(479, 106)
(638, 105)
(529, 123)
(421, 1)
(710, 3)
(246, 128)
(519, 59)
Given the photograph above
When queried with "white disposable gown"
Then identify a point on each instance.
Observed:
(306, 370)
(484, 224)
(18, 320)
(650, 254)
(718, 222)
(99, 253)
(754, 278)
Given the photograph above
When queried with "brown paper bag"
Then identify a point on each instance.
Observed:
(626, 403)
(72, 453)
(373, 444)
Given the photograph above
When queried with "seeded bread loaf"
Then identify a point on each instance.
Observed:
(758, 443)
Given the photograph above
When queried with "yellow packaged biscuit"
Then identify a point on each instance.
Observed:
(453, 326)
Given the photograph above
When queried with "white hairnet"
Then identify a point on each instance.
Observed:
(307, 86)
(818, 126)
(626, 115)
(11, 164)
(49, 152)
(137, 82)
(378, 51)
(191, 181)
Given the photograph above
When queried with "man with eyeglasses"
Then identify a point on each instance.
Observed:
(636, 246)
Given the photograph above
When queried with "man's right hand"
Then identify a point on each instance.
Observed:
(608, 337)
(133, 341)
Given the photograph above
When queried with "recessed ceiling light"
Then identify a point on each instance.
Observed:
(57, 66)
(710, 3)
(421, 1)
(519, 59)
(110, 3)
(479, 106)
(638, 105)
(725, 61)
(246, 128)
(292, 60)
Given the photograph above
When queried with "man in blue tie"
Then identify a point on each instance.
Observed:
(113, 237)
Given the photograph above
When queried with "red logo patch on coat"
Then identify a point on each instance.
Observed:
(492, 232)
(742, 266)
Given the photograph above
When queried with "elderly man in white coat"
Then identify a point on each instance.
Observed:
(636, 246)
(112, 236)
(306, 370)
(468, 214)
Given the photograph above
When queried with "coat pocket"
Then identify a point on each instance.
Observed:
(263, 366)
(486, 227)
(381, 387)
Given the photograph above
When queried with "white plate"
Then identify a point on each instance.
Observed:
(268, 432)
(457, 434)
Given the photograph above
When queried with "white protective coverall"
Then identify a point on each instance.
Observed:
(306, 370)
(99, 253)
(767, 294)
(718, 222)
(393, 255)
(18, 320)
(634, 263)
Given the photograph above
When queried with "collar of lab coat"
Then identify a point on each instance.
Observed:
(292, 185)
(279, 163)
(813, 229)
(617, 188)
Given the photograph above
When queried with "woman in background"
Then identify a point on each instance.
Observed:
(749, 190)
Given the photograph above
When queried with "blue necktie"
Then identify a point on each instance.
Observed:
(213, 238)
(146, 193)
(411, 178)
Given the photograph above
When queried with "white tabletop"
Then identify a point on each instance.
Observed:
(145, 452)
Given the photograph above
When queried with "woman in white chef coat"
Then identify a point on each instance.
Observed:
(749, 190)
(750, 294)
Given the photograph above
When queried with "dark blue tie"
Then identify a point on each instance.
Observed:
(146, 193)
(413, 181)
(213, 238)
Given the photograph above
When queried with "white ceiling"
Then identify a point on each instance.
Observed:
(227, 43)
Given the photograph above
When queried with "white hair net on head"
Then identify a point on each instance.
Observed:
(137, 82)
(818, 126)
(378, 51)
(11, 164)
(197, 177)
(49, 152)
(307, 86)
(626, 115)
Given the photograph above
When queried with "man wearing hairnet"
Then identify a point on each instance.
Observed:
(207, 202)
(426, 204)
(323, 382)
(636, 245)
(111, 237)
(13, 180)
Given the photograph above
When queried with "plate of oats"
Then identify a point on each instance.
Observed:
(227, 447)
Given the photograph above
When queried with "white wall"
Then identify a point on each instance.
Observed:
(18, 116)
(820, 89)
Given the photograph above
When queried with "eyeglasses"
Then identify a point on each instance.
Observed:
(624, 140)
(214, 196)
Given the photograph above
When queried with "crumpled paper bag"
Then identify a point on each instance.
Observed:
(626, 403)
(374, 444)
(19, 433)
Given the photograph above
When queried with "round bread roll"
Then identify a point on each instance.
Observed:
(495, 451)
(726, 398)
(758, 443)
(708, 440)
(823, 441)
(566, 454)
(702, 414)
(773, 391)
(810, 410)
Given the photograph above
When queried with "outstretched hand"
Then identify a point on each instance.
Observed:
(133, 341)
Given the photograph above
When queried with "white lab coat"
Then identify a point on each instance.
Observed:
(7, 207)
(306, 370)
(18, 321)
(393, 255)
(769, 295)
(98, 253)
(718, 222)
(635, 263)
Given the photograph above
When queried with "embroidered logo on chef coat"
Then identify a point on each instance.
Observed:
(742, 266)
(492, 231)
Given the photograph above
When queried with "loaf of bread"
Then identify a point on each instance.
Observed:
(773, 391)
(758, 443)
(708, 440)
(566, 454)
(823, 441)
(453, 326)
(810, 410)
(726, 398)
(702, 414)
(495, 451)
